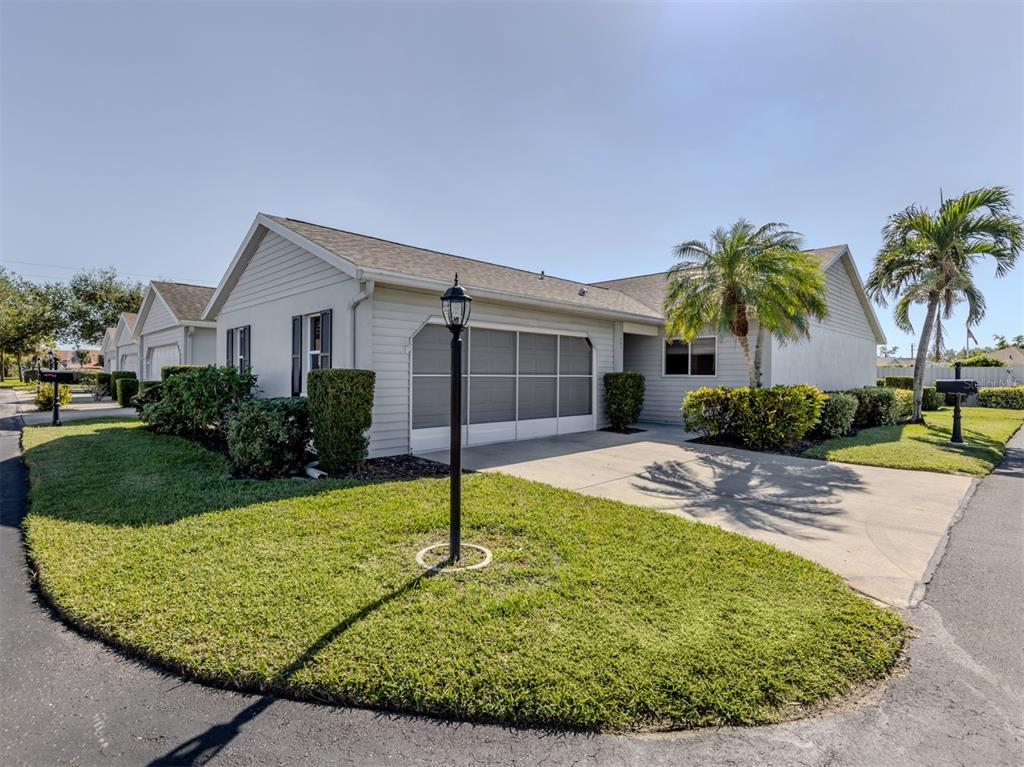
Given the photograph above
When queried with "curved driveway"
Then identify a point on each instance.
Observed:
(69, 700)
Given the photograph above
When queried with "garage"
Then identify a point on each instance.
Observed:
(517, 384)
(129, 362)
(158, 357)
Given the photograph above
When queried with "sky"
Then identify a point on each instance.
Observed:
(582, 139)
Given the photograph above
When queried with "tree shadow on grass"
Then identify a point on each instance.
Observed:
(124, 475)
(800, 499)
(205, 746)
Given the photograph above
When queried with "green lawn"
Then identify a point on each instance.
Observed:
(14, 383)
(926, 447)
(594, 615)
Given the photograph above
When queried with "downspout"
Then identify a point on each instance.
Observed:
(365, 292)
(189, 332)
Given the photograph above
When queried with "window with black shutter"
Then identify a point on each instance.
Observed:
(239, 348)
(229, 359)
(296, 356)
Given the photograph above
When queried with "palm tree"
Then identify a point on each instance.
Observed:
(745, 280)
(927, 259)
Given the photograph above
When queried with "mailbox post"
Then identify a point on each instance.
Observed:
(56, 377)
(959, 389)
(958, 437)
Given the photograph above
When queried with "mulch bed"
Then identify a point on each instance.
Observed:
(398, 467)
(627, 430)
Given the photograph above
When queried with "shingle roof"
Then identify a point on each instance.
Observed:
(129, 319)
(649, 289)
(375, 254)
(187, 302)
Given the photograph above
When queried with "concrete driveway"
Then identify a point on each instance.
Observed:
(878, 528)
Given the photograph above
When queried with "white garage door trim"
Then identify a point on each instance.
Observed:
(130, 363)
(437, 437)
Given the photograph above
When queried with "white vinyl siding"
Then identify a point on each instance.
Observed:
(664, 394)
(841, 351)
(282, 281)
(158, 317)
(397, 317)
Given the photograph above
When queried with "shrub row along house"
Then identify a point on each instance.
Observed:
(299, 297)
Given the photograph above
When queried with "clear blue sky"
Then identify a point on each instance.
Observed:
(585, 140)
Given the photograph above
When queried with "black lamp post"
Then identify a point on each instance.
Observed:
(957, 438)
(455, 306)
(56, 391)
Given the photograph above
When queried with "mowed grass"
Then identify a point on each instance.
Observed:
(594, 615)
(926, 447)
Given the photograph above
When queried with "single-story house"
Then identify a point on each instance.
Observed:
(170, 328)
(108, 349)
(298, 296)
(126, 347)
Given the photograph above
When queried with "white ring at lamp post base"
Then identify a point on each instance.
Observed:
(441, 567)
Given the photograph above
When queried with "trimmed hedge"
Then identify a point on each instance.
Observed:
(341, 412)
(930, 398)
(116, 376)
(268, 437)
(898, 382)
(981, 361)
(126, 389)
(170, 370)
(905, 400)
(150, 392)
(880, 382)
(1009, 397)
(44, 395)
(876, 406)
(103, 380)
(759, 419)
(29, 375)
(623, 398)
(194, 403)
(837, 414)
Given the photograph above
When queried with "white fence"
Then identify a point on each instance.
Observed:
(1011, 375)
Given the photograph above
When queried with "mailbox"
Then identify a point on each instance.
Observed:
(57, 376)
(956, 386)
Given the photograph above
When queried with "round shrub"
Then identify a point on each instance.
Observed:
(623, 398)
(44, 395)
(898, 382)
(905, 403)
(759, 419)
(876, 406)
(1009, 397)
(836, 415)
(194, 403)
(126, 389)
(341, 412)
(268, 437)
(149, 393)
(930, 398)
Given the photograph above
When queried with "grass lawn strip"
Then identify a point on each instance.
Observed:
(594, 615)
(926, 447)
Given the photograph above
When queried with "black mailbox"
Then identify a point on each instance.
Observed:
(956, 386)
(57, 376)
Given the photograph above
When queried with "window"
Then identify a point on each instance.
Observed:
(315, 339)
(239, 348)
(698, 358)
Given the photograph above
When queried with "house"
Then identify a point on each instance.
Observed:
(170, 329)
(1009, 356)
(298, 296)
(126, 347)
(108, 349)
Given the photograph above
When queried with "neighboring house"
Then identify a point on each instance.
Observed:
(108, 349)
(894, 362)
(298, 296)
(69, 358)
(1011, 355)
(126, 348)
(170, 328)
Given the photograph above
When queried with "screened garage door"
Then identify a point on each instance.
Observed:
(160, 356)
(515, 385)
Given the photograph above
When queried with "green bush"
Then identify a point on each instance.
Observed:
(876, 406)
(1009, 397)
(84, 377)
(44, 395)
(29, 375)
(759, 419)
(194, 403)
(930, 398)
(836, 415)
(103, 381)
(268, 437)
(116, 376)
(126, 389)
(623, 398)
(171, 370)
(880, 382)
(981, 361)
(149, 393)
(898, 382)
(341, 411)
(905, 401)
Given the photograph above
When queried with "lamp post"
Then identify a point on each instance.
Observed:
(455, 306)
(56, 391)
(957, 437)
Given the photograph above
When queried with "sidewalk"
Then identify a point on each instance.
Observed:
(82, 406)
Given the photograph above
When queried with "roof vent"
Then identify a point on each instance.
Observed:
(542, 274)
(583, 291)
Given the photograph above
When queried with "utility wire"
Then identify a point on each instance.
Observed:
(80, 269)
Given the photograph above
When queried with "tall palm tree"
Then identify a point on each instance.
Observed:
(927, 259)
(745, 280)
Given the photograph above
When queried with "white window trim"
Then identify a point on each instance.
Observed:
(664, 345)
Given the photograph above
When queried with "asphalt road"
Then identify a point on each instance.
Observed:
(66, 699)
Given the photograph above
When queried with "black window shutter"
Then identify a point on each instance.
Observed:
(231, 348)
(246, 348)
(325, 338)
(296, 356)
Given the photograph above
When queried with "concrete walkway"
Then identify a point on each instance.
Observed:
(82, 406)
(878, 528)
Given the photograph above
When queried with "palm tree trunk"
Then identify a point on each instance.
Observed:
(744, 342)
(759, 344)
(922, 356)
